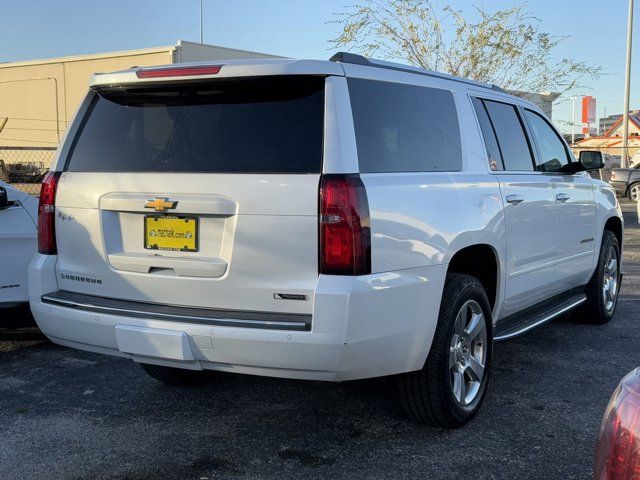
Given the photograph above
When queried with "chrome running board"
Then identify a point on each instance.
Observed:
(533, 317)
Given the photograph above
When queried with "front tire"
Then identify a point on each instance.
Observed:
(176, 376)
(604, 286)
(448, 391)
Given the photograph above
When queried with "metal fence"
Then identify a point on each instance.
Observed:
(25, 167)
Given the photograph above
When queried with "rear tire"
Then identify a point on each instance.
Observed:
(177, 376)
(604, 286)
(448, 391)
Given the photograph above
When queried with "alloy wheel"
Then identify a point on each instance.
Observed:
(610, 279)
(468, 352)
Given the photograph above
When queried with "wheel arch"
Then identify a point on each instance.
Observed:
(614, 224)
(481, 261)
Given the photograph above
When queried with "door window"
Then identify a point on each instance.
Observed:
(513, 142)
(552, 155)
(489, 134)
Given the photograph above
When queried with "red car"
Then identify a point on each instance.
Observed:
(618, 447)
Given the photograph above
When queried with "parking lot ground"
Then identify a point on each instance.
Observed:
(66, 414)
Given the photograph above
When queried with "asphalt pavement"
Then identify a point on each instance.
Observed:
(66, 414)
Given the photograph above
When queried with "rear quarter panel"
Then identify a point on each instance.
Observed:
(423, 219)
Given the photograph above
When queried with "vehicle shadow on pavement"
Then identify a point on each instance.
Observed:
(18, 328)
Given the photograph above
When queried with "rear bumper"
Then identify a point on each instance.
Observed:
(361, 327)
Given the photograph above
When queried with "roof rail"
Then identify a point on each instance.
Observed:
(346, 57)
(354, 58)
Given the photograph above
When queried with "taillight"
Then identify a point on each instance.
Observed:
(618, 447)
(179, 71)
(47, 214)
(345, 233)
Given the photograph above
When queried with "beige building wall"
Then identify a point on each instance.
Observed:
(39, 98)
(197, 52)
(544, 101)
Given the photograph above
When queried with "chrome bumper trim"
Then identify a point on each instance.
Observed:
(173, 313)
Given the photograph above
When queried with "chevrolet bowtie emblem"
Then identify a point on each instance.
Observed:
(160, 204)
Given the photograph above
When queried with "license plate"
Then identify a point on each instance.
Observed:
(165, 232)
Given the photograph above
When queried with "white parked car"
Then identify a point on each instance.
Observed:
(325, 220)
(18, 216)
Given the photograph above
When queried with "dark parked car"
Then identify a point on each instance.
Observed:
(626, 182)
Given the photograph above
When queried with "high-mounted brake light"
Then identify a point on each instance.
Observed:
(345, 233)
(178, 71)
(47, 214)
(618, 447)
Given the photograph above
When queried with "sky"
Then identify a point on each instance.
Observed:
(34, 29)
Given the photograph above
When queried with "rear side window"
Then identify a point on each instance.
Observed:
(404, 128)
(514, 146)
(269, 125)
(552, 155)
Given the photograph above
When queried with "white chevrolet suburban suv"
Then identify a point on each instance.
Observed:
(325, 220)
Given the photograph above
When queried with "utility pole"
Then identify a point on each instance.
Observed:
(627, 84)
(201, 21)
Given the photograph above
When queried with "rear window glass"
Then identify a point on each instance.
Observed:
(404, 128)
(270, 125)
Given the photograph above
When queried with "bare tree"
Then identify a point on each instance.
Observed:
(505, 48)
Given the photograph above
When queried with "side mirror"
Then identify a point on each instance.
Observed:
(4, 201)
(591, 159)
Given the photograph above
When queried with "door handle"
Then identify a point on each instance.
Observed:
(562, 197)
(515, 199)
